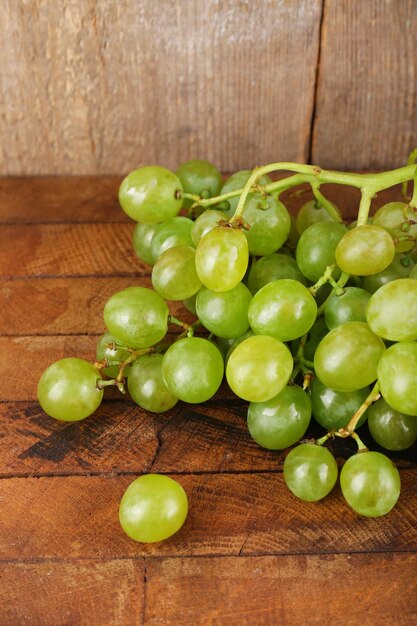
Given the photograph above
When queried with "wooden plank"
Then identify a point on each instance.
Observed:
(84, 593)
(92, 81)
(283, 590)
(230, 514)
(366, 110)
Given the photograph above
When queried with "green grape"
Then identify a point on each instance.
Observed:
(67, 390)
(365, 250)
(142, 241)
(346, 359)
(199, 177)
(413, 273)
(348, 307)
(151, 194)
(146, 385)
(316, 249)
(283, 309)
(173, 232)
(370, 483)
(205, 223)
(224, 313)
(281, 421)
(315, 335)
(137, 317)
(222, 258)
(400, 267)
(310, 213)
(293, 236)
(237, 181)
(227, 351)
(192, 369)
(190, 303)
(390, 429)
(397, 377)
(334, 409)
(392, 216)
(174, 276)
(310, 472)
(153, 508)
(269, 223)
(273, 267)
(259, 368)
(392, 310)
(104, 352)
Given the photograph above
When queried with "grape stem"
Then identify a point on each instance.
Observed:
(349, 429)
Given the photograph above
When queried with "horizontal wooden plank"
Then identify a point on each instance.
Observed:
(229, 515)
(308, 590)
(64, 306)
(80, 593)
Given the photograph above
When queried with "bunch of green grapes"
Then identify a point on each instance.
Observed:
(300, 317)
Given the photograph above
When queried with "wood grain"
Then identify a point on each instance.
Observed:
(104, 87)
(84, 593)
(366, 103)
(342, 590)
(229, 514)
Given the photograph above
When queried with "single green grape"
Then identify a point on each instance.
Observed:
(153, 508)
(350, 306)
(199, 177)
(146, 385)
(400, 267)
(137, 317)
(392, 217)
(205, 223)
(151, 194)
(310, 472)
(269, 223)
(312, 212)
(142, 241)
(174, 275)
(224, 313)
(67, 390)
(237, 181)
(397, 376)
(390, 429)
(273, 267)
(222, 258)
(316, 249)
(173, 232)
(281, 421)
(370, 483)
(392, 310)
(103, 351)
(334, 409)
(365, 250)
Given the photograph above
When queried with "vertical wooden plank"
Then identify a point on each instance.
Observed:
(103, 87)
(367, 90)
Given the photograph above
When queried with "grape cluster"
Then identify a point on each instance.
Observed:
(302, 316)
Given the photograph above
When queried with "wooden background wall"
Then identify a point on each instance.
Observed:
(102, 86)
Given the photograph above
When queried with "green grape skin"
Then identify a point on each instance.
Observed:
(273, 267)
(392, 310)
(316, 249)
(104, 352)
(153, 508)
(348, 307)
(269, 223)
(199, 176)
(67, 390)
(334, 409)
(370, 483)
(310, 213)
(146, 385)
(283, 309)
(137, 317)
(190, 303)
(389, 428)
(293, 236)
(237, 181)
(310, 472)
(233, 343)
(413, 273)
(225, 314)
(174, 276)
(192, 369)
(314, 336)
(391, 217)
(222, 258)
(281, 421)
(142, 241)
(205, 223)
(173, 232)
(397, 377)
(151, 194)
(347, 357)
(259, 368)
(400, 267)
(365, 250)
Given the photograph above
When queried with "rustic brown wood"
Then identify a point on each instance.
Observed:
(80, 593)
(103, 88)
(230, 514)
(366, 103)
(314, 590)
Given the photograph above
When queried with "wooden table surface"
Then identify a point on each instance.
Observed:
(249, 552)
